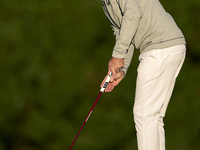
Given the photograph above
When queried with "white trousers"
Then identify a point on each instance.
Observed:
(157, 73)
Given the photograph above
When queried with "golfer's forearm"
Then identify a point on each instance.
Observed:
(128, 56)
(128, 28)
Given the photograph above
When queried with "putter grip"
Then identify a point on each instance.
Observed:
(106, 83)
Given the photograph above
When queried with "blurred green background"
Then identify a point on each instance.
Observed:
(53, 57)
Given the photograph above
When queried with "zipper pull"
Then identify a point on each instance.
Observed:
(108, 2)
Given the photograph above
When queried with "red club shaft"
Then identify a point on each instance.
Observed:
(86, 119)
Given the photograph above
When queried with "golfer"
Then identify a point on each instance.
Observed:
(146, 26)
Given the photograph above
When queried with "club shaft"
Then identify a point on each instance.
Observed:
(90, 112)
(86, 119)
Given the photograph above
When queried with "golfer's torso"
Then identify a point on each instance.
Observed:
(156, 29)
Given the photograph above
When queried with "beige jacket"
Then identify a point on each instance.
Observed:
(143, 24)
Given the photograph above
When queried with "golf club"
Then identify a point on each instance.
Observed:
(101, 91)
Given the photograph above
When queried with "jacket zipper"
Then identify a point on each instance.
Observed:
(108, 2)
(112, 22)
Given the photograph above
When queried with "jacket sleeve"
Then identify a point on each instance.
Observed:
(129, 25)
(128, 55)
(115, 31)
(128, 58)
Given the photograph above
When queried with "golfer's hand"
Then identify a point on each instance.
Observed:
(114, 83)
(114, 66)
